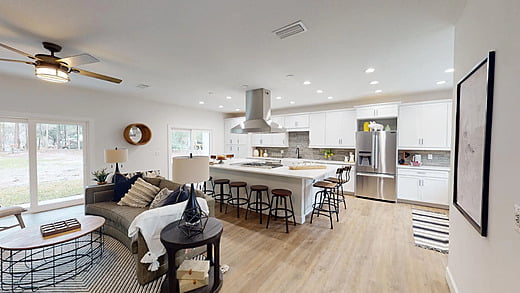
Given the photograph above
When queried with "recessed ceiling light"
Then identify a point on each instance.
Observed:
(220, 106)
(142, 86)
(370, 70)
(289, 75)
(201, 102)
(330, 98)
(292, 102)
(441, 82)
(278, 98)
(374, 82)
(378, 91)
(245, 86)
(306, 82)
(237, 109)
(319, 91)
(229, 98)
(449, 70)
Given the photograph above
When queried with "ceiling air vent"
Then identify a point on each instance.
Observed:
(290, 30)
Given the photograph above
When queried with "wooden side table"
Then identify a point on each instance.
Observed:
(174, 240)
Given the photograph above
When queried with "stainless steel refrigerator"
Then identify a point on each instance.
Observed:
(376, 164)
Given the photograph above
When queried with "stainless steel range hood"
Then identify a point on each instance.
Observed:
(258, 114)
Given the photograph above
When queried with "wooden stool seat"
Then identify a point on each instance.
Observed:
(222, 181)
(259, 188)
(238, 184)
(335, 180)
(324, 184)
(281, 192)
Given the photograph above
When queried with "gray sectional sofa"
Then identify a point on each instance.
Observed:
(98, 201)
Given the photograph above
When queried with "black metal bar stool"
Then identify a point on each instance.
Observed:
(238, 201)
(325, 204)
(207, 190)
(339, 181)
(221, 196)
(258, 204)
(279, 194)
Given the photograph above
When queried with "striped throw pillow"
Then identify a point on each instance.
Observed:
(140, 194)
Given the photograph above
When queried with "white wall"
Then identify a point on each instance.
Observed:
(107, 115)
(491, 264)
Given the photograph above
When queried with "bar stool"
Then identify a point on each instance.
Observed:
(206, 190)
(221, 197)
(326, 205)
(258, 205)
(279, 194)
(339, 181)
(238, 201)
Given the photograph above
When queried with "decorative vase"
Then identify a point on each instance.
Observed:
(101, 183)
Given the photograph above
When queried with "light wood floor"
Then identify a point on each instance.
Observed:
(370, 250)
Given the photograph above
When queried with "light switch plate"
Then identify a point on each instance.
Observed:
(430, 157)
(517, 218)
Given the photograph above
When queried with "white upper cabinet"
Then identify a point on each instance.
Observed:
(377, 111)
(237, 144)
(317, 130)
(425, 125)
(280, 120)
(340, 129)
(269, 140)
(297, 121)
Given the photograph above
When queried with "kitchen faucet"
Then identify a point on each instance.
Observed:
(298, 153)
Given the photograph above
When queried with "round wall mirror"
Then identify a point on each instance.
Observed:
(137, 134)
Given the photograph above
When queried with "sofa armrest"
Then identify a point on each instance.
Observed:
(99, 193)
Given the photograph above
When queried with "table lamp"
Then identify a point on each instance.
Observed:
(116, 156)
(190, 170)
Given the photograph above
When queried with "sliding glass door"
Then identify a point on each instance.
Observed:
(42, 163)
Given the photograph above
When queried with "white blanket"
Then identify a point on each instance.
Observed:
(151, 223)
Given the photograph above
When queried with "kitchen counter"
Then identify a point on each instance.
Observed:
(433, 168)
(299, 182)
(280, 171)
(290, 160)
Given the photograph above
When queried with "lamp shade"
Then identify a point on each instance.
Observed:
(190, 170)
(116, 156)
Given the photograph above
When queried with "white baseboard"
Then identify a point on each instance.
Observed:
(451, 281)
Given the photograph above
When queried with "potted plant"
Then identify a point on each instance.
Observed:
(328, 154)
(100, 176)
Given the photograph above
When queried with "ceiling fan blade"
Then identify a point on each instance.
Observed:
(96, 75)
(80, 59)
(18, 51)
(19, 61)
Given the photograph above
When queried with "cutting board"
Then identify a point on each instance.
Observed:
(307, 167)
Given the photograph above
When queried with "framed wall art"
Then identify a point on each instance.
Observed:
(473, 143)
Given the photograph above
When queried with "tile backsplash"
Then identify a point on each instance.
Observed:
(301, 140)
(439, 158)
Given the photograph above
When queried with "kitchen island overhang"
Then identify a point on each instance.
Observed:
(298, 181)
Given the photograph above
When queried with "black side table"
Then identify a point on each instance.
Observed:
(174, 240)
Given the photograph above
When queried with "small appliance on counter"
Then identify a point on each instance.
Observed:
(416, 160)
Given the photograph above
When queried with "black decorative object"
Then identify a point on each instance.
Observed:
(191, 170)
(473, 143)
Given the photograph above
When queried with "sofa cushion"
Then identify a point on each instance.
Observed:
(169, 184)
(153, 180)
(120, 216)
(140, 195)
(160, 198)
(179, 195)
(122, 185)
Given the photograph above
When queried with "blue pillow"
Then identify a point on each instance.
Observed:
(177, 196)
(122, 185)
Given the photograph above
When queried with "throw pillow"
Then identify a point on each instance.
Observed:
(122, 185)
(160, 198)
(179, 195)
(140, 195)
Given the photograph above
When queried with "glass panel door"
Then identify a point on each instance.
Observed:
(200, 142)
(181, 142)
(60, 166)
(14, 164)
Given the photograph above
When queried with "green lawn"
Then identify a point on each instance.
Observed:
(48, 190)
(12, 162)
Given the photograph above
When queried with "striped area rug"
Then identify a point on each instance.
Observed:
(431, 230)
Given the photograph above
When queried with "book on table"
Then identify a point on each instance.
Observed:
(193, 274)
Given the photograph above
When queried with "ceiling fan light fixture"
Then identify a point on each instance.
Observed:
(52, 73)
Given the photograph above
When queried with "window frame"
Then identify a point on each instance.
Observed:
(172, 128)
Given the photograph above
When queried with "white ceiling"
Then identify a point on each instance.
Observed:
(186, 49)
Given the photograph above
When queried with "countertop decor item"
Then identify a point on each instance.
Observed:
(137, 134)
(328, 154)
(116, 156)
(473, 143)
(191, 170)
(100, 176)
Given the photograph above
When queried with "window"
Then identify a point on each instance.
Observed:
(41, 163)
(186, 141)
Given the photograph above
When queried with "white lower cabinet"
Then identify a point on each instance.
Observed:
(427, 186)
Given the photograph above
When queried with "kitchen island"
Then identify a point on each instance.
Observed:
(298, 181)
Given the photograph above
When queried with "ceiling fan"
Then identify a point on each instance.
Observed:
(56, 69)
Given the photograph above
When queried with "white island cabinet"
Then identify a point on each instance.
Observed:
(299, 182)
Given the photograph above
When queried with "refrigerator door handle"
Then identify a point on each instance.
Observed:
(375, 175)
(375, 152)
